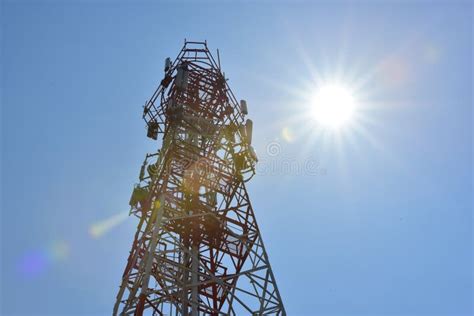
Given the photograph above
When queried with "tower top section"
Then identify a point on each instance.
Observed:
(194, 103)
(195, 81)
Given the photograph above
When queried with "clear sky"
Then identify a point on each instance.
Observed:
(372, 219)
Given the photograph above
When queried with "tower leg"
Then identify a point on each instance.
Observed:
(140, 305)
(194, 280)
(149, 260)
(184, 299)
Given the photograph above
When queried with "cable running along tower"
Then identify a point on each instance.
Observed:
(197, 249)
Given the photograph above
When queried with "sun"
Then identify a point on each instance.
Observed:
(333, 106)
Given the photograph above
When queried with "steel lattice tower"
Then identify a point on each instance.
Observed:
(197, 249)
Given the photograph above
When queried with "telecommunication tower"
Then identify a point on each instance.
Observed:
(197, 249)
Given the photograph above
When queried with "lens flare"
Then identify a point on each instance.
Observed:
(33, 263)
(98, 229)
(59, 250)
(37, 261)
(395, 71)
(287, 134)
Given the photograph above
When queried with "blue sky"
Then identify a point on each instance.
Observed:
(381, 226)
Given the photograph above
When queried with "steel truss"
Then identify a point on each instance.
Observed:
(197, 249)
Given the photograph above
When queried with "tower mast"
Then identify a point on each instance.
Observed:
(197, 249)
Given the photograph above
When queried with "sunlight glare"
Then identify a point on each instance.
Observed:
(333, 106)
